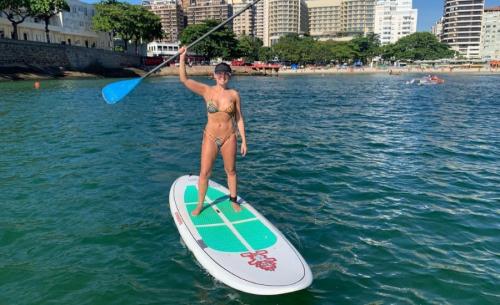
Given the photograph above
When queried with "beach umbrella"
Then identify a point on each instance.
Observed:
(115, 92)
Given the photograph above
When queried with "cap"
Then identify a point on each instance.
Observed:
(222, 67)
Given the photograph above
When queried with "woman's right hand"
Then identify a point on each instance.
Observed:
(182, 52)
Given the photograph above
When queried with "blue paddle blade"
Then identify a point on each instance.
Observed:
(115, 92)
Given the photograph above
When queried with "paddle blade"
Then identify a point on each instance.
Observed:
(115, 92)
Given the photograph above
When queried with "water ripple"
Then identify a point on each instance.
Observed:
(389, 191)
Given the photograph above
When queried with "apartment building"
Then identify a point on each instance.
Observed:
(281, 17)
(490, 34)
(357, 17)
(394, 19)
(171, 17)
(437, 29)
(244, 24)
(261, 20)
(73, 28)
(324, 18)
(201, 10)
(462, 26)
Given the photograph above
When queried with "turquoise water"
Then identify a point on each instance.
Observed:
(390, 192)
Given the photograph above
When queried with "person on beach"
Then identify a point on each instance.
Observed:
(220, 134)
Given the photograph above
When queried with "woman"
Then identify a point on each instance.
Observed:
(224, 112)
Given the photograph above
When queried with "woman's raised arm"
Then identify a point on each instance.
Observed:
(196, 87)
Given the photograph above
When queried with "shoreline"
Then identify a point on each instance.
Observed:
(19, 73)
(396, 72)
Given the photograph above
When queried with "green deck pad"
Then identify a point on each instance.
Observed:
(191, 194)
(221, 238)
(256, 234)
(226, 207)
(207, 215)
(231, 215)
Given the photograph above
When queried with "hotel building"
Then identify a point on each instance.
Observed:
(261, 20)
(394, 19)
(437, 29)
(357, 17)
(72, 28)
(201, 10)
(490, 34)
(277, 18)
(462, 26)
(171, 17)
(324, 18)
(244, 23)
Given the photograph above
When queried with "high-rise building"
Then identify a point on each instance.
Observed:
(244, 23)
(462, 26)
(171, 17)
(324, 18)
(437, 29)
(357, 17)
(281, 17)
(201, 10)
(394, 19)
(490, 34)
(261, 19)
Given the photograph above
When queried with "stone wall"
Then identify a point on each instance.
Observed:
(43, 55)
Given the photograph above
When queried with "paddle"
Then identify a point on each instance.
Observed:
(115, 92)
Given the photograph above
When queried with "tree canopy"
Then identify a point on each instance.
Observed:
(221, 43)
(16, 11)
(127, 21)
(248, 47)
(417, 46)
(304, 49)
(46, 9)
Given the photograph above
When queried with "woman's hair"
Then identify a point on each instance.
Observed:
(222, 67)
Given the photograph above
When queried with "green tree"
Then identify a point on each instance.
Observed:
(366, 47)
(322, 52)
(16, 11)
(306, 48)
(147, 25)
(221, 43)
(249, 46)
(46, 9)
(343, 52)
(266, 54)
(288, 48)
(417, 46)
(111, 17)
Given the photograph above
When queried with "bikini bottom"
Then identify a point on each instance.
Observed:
(219, 141)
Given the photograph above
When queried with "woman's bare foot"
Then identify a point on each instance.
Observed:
(198, 209)
(236, 206)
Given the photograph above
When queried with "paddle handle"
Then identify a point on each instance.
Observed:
(203, 37)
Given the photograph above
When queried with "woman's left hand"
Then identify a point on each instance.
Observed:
(243, 149)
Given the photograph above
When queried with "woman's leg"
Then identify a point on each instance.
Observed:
(228, 151)
(208, 155)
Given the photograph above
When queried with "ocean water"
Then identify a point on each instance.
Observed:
(390, 192)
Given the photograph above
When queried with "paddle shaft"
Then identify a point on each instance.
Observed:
(203, 37)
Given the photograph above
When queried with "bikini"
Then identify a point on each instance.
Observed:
(212, 109)
(219, 141)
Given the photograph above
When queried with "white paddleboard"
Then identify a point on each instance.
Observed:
(241, 249)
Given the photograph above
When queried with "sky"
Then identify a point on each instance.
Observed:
(429, 11)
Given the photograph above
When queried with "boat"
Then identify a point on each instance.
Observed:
(427, 80)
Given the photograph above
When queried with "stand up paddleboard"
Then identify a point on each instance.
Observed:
(241, 249)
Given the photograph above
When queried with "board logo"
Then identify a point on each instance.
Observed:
(260, 260)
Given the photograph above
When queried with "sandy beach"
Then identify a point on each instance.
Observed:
(395, 71)
(30, 73)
